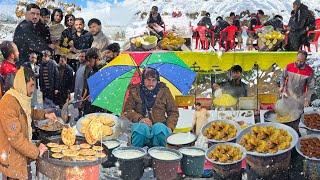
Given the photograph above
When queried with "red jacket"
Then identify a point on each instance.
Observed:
(7, 68)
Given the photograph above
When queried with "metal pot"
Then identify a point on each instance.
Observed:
(271, 115)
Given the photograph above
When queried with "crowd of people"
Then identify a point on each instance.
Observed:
(62, 56)
(301, 21)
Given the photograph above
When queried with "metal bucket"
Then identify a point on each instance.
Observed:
(192, 164)
(131, 169)
(111, 161)
(165, 169)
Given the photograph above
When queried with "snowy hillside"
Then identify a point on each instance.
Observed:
(125, 17)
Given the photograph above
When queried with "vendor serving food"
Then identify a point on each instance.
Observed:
(16, 115)
(298, 80)
(235, 87)
(151, 107)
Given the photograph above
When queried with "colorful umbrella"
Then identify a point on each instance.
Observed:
(108, 87)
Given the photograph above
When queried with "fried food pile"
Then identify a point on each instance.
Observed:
(284, 119)
(68, 136)
(225, 100)
(312, 121)
(220, 131)
(225, 153)
(172, 42)
(82, 152)
(266, 139)
(310, 147)
(95, 127)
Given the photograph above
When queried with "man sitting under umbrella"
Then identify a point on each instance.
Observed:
(151, 108)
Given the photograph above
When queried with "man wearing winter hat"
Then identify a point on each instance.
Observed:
(151, 108)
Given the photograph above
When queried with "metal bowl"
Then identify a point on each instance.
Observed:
(225, 121)
(242, 149)
(115, 128)
(309, 130)
(298, 146)
(60, 162)
(290, 130)
(177, 145)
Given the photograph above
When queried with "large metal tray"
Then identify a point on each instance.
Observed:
(290, 130)
(57, 139)
(115, 128)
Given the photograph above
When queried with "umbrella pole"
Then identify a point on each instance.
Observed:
(257, 91)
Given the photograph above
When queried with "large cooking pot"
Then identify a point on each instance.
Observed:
(271, 116)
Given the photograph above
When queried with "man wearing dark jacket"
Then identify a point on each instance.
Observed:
(82, 39)
(66, 81)
(276, 22)
(205, 21)
(220, 25)
(49, 77)
(27, 36)
(298, 28)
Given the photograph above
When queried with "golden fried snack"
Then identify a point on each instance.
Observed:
(85, 146)
(80, 158)
(57, 155)
(108, 121)
(87, 152)
(220, 131)
(266, 139)
(56, 150)
(75, 147)
(97, 148)
(225, 153)
(70, 153)
(106, 131)
(91, 158)
(52, 145)
(100, 155)
(68, 136)
(90, 139)
(63, 147)
(95, 129)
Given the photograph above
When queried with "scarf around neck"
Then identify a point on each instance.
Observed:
(19, 91)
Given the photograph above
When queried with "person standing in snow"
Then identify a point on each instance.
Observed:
(100, 40)
(27, 36)
(8, 67)
(298, 27)
(16, 115)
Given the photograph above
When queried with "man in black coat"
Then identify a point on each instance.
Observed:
(49, 77)
(66, 81)
(82, 40)
(27, 36)
(298, 27)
